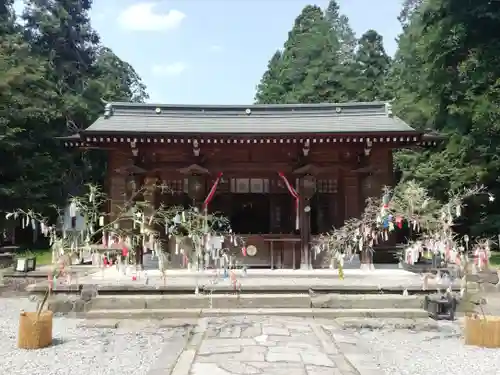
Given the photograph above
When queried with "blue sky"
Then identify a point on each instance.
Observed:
(215, 51)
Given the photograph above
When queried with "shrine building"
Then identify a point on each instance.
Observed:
(282, 174)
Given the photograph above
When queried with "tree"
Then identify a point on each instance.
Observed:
(342, 32)
(270, 90)
(409, 7)
(308, 69)
(119, 79)
(25, 109)
(85, 73)
(372, 66)
(317, 61)
(449, 81)
(345, 41)
(54, 79)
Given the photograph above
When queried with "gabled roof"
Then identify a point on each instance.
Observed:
(328, 118)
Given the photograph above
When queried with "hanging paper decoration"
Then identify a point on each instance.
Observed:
(399, 222)
(212, 191)
(72, 210)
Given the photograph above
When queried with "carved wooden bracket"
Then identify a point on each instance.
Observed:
(130, 169)
(194, 169)
(307, 169)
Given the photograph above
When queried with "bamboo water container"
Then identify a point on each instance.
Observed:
(35, 330)
(483, 331)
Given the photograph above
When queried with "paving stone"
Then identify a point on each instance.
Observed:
(262, 338)
(230, 332)
(341, 363)
(207, 368)
(228, 341)
(237, 367)
(299, 327)
(247, 354)
(279, 368)
(252, 331)
(320, 370)
(275, 331)
(209, 350)
(283, 354)
(309, 338)
(213, 332)
(184, 363)
(303, 346)
(316, 358)
(342, 338)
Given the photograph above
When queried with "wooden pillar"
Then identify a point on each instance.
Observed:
(117, 182)
(305, 232)
(351, 197)
(307, 189)
(150, 206)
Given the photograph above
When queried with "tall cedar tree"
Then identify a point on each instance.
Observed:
(449, 80)
(372, 67)
(86, 75)
(342, 32)
(345, 39)
(309, 69)
(55, 77)
(26, 99)
(270, 90)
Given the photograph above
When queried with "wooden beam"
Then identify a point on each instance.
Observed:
(246, 167)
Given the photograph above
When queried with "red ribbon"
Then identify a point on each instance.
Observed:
(211, 194)
(294, 194)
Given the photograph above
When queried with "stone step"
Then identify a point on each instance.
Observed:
(277, 301)
(297, 312)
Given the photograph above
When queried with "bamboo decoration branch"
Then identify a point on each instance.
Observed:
(134, 224)
(429, 222)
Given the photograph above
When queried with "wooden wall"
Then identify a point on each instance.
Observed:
(264, 161)
(337, 162)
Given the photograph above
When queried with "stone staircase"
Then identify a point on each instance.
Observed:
(305, 305)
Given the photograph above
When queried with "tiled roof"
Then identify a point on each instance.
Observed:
(129, 118)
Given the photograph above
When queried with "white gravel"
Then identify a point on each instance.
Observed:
(78, 350)
(402, 352)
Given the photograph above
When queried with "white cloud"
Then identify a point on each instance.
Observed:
(169, 70)
(143, 17)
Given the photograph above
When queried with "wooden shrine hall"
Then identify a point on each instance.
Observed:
(282, 174)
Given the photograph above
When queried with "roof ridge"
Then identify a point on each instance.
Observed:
(258, 115)
(251, 106)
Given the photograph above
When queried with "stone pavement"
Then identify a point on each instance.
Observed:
(248, 345)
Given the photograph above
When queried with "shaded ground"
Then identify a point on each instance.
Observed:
(15, 287)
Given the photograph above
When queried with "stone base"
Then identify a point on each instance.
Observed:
(367, 267)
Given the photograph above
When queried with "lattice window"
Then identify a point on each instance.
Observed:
(326, 186)
(249, 185)
(222, 187)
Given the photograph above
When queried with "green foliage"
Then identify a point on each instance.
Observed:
(317, 61)
(55, 77)
(372, 65)
(322, 61)
(446, 77)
